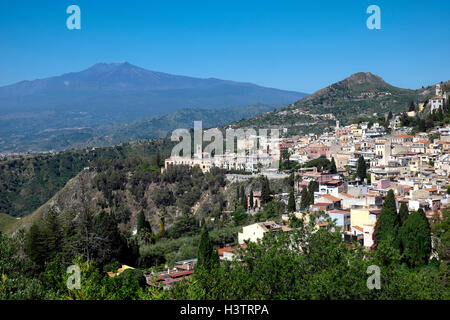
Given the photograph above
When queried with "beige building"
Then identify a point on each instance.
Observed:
(256, 231)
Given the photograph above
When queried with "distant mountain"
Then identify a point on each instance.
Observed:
(117, 92)
(361, 95)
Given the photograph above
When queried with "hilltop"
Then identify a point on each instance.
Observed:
(361, 95)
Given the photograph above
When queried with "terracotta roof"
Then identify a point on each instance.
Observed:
(181, 274)
(333, 182)
(339, 211)
(403, 136)
(358, 228)
(330, 197)
(346, 194)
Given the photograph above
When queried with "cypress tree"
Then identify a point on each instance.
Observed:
(312, 187)
(291, 202)
(251, 199)
(206, 258)
(403, 213)
(265, 190)
(141, 221)
(304, 198)
(243, 199)
(415, 237)
(361, 170)
(389, 201)
(386, 227)
(333, 168)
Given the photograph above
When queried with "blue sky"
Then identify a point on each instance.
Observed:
(294, 45)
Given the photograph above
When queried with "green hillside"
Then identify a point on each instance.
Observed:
(28, 182)
(8, 224)
(360, 95)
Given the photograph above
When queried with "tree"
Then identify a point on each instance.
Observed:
(361, 170)
(388, 222)
(415, 238)
(207, 257)
(404, 120)
(273, 209)
(265, 190)
(108, 241)
(403, 213)
(158, 159)
(390, 115)
(51, 232)
(304, 198)
(243, 198)
(239, 216)
(313, 186)
(291, 202)
(389, 201)
(333, 168)
(35, 246)
(251, 199)
(442, 231)
(142, 223)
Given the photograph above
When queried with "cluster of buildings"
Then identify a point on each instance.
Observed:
(416, 167)
(252, 154)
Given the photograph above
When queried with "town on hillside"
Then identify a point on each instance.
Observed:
(352, 168)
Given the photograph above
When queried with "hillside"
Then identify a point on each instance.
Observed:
(28, 182)
(8, 224)
(106, 94)
(158, 126)
(126, 187)
(361, 95)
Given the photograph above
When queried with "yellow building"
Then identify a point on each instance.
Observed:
(362, 216)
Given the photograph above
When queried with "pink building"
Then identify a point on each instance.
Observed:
(315, 151)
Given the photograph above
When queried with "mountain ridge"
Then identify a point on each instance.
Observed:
(362, 94)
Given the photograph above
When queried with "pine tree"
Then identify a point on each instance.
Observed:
(415, 237)
(291, 202)
(35, 246)
(52, 232)
(403, 213)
